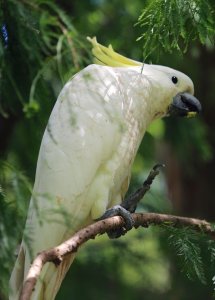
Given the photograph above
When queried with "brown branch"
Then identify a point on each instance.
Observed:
(57, 254)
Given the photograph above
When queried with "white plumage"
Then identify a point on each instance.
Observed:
(86, 155)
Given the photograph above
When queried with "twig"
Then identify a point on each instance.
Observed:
(56, 254)
(71, 45)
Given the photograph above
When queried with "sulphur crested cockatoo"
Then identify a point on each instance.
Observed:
(87, 152)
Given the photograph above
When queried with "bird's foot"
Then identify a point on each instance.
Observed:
(129, 205)
(118, 210)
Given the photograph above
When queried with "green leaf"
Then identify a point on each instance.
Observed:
(186, 244)
(169, 25)
(31, 108)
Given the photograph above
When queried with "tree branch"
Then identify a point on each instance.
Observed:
(57, 254)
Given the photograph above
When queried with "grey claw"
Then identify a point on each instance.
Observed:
(118, 210)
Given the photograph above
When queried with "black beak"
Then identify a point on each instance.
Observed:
(183, 105)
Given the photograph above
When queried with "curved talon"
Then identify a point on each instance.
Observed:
(158, 166)
(118, 210)
(114, 234)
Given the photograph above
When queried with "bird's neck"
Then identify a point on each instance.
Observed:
(138, 104)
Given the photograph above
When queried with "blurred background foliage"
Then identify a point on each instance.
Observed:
(42, 44)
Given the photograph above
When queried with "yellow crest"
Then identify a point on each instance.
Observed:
(106, 56)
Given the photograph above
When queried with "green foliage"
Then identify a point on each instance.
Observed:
(186, 245)
(211, 249)
(41, 32)
(174, 24)
(15, 191)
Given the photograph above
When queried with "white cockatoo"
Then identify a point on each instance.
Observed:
(87, 152)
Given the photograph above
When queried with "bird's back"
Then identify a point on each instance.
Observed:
(84, 162)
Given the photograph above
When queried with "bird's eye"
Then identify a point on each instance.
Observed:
(174, 79)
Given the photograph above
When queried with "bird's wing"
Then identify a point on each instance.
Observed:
(78, 160)
(76, 164)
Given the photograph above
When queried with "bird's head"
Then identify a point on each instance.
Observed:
(174, 90)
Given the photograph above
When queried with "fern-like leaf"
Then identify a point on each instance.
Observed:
(186, 244)
(175, 24)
